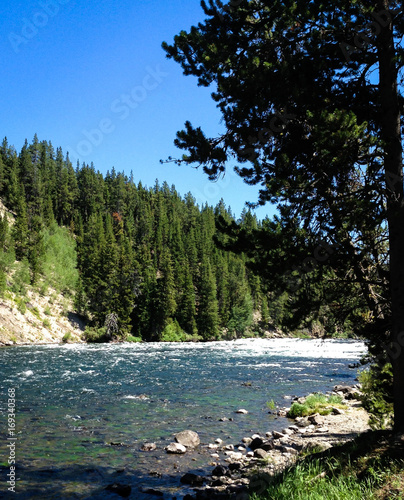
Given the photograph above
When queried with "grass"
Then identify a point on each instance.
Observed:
(371, 467)
(315, 403)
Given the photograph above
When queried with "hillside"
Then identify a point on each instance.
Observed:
(35, 319)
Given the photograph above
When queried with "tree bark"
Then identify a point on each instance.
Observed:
(393, 163)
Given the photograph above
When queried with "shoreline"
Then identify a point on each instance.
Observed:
(240, 469)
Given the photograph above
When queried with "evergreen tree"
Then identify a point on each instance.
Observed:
(20, 229)
(208, 308)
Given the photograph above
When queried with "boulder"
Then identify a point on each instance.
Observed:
(242, 411)
(267, 445)
(176, 448)
(260, 453)
(277, 435)
(220, 470)
(287, 432)
(256, 443)
(316, 419)
(338, 411)
(123, 490)
(190, 439)
(192, 479)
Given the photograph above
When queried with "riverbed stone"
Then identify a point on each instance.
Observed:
(192, 479)
(260, 453)
(242, 411)
(148, 447)
(123, 490)
(176, 448)
(338, 411)
(278, 435)
(187, 438)
(256, 443)
(287, 432)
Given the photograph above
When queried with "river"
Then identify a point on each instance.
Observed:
(83, 411)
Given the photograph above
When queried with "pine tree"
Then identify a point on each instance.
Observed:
(20, 229)
(208, 308)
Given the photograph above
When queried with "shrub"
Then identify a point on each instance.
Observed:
(95, 335)
(377, 398)
(21, 306)
(66, 337)
(173, 332)
(314, 403)
(46, 323)
(131, 338)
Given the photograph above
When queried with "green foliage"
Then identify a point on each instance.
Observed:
(305, 482)
(95, 335)
(46, 323)
(21, 305)
(241, 316)
(173, 333)
(271, 405)
(143, 254)
(131, 338)
(20, 278)
(59, 262)
(314, 403)
(377, 394)
(66, 337)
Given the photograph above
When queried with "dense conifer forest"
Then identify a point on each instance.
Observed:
(140, 262)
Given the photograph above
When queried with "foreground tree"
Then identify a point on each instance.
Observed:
(312, 106)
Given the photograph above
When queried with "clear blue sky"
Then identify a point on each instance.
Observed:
(91, 77)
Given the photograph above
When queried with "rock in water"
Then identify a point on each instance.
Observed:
(190, 439)
(148, 447)
(123, 490)
(176, 448)
(192, 479)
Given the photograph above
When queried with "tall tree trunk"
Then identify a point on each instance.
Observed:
(393, 162)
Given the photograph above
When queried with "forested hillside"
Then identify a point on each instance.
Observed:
(138, 261)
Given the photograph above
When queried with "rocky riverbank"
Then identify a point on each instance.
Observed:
(240, 468)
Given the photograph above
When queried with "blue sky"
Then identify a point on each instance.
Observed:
(91, 77)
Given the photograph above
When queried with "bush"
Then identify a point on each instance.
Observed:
(95, 335)
(377, 395)
(46, 323)
(173, 332)
(21, 306)
(21, 278)
(314, 403)
(131, 338)
(66, 337)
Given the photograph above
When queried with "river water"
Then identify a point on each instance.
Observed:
(83, 411)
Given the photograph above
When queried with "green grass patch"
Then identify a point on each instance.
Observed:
(131, 338)
(371, 467)
(315, 403)
(46, 323)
